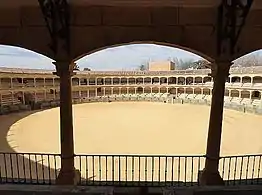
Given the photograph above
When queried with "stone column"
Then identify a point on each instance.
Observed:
(210, 174)
(67, 173)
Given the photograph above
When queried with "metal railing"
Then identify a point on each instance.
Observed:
(139, 170)
(128, 170)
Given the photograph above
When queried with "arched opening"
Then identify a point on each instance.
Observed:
(256, 95)
(115, 91)
(180, 90)
(245, 94)
(155, 80)
(123, 81)
(163, 80)
(207, 79)
(83, 81)
(108, 81)
(189, 80)
(148, 81)
(108, 91)
(189, 90)
(198, 80)
(100, 81)
(139, 90)
(257, 80)
(147, 90)
(235, 79)
(198, 91)
(75, 81)
(92, 81)
(139, 81)
(172, 91)
(131, 81)
(181, 81)
(246, 79)
(123, 90)
(116, 81)
(155, 90)
(234, 93)
(163, 90)
(206, 91)
(131, 90)
(171, 80)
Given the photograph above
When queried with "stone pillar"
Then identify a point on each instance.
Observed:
(11, 83)
(250, 94)
(210, 174)
(229, 92)
(67, 173)
(104, 91)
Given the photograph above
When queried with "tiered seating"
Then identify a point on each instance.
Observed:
(256, 102)
(199, 96)
(236, 100)
(39, 96)
(227, 99)
(191, 96)
(183, 96)
(246, 101)
(8, 100)
(208, 97)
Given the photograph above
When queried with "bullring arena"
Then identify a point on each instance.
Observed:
(129, 125)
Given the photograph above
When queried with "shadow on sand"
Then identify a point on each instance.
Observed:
(33, 168)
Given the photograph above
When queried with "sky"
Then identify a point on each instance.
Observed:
(127, 57)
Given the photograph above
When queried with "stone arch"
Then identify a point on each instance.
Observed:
(100, 81)
(155, 90)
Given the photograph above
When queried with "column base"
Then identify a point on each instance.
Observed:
(207, 178)
(68, 178)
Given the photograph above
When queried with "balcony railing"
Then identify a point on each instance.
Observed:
(127, 170)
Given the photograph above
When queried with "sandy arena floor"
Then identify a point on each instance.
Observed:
(129, 128)
(137, 128)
